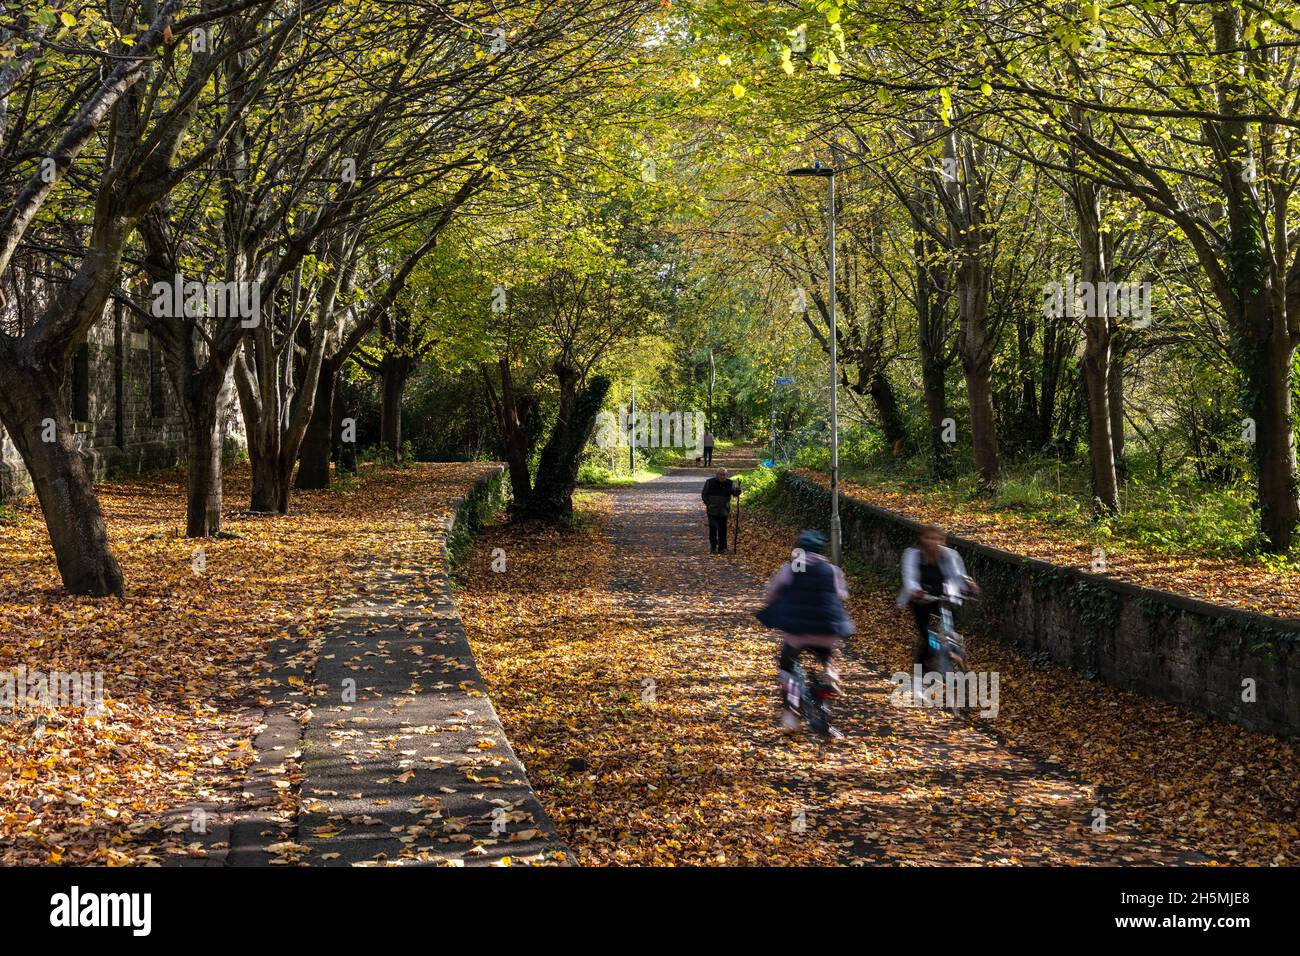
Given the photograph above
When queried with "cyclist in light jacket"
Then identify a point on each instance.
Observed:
(930, 569)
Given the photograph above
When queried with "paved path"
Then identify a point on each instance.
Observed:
(391, 755)
(411, 766)
(394, 755)
(907, 785)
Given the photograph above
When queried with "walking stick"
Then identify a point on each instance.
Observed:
(735, 537)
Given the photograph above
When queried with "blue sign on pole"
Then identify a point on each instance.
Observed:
(785, 380)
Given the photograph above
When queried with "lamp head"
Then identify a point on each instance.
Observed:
(816, 169)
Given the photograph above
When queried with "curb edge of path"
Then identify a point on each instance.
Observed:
(354, 796)
(464, 518)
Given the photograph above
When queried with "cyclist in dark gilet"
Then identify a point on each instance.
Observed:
(805, 601)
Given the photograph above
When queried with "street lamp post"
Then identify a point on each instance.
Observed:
(773, 427)
(776, 384)
(817, 169)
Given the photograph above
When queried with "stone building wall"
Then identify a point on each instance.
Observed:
(124, 409)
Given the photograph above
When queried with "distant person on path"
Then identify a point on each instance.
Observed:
(717, 494)
(931, 570)
(709, 442)
(805, 601)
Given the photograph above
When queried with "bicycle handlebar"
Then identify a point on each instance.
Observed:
(933, 599)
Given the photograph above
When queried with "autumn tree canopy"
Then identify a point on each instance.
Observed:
(463, 229)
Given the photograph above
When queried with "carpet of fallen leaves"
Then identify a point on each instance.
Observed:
(1219, 580)
(184, 656)
(625, 779)
(1175, 776)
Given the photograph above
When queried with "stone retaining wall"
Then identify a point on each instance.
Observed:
(1204, 656)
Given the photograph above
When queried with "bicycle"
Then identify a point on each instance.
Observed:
(947, 649)
(811, 701)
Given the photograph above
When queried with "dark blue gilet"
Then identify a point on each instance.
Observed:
(809, 605)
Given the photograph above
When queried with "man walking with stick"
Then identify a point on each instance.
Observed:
(717, 494)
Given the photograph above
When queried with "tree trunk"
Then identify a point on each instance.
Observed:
(30, 406)
(1056, 340)
(984, 436)
(930, 310)
(933, 380)
(873, 363)
(1028, 417)
(516, 435)
(708, 417)
(1275, 455)
(1101, 449)
(1096, 350)
(557, 469)
(318, 442)
(396, 371)
(1264, 347)
(270, 490)
(203, 410)
(267, 403)
(971, 237)
(1116, 387)
(345, 407)
(885, 401)
(977, 362)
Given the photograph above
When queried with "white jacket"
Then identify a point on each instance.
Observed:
(950, 563)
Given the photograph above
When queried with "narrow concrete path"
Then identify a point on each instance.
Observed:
(388, 751)
(907, 785)
(404, 761)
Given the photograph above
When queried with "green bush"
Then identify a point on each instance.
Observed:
(1022, 494)
(859, 448)
(1190, 517)
(758, 486)
(813, 456)
(666, 457)
(590, 473)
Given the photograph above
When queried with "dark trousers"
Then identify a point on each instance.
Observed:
(718, 532)
(790, 654)
(922, 614)
(921, 618)
(789, 657)
(708, 455)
